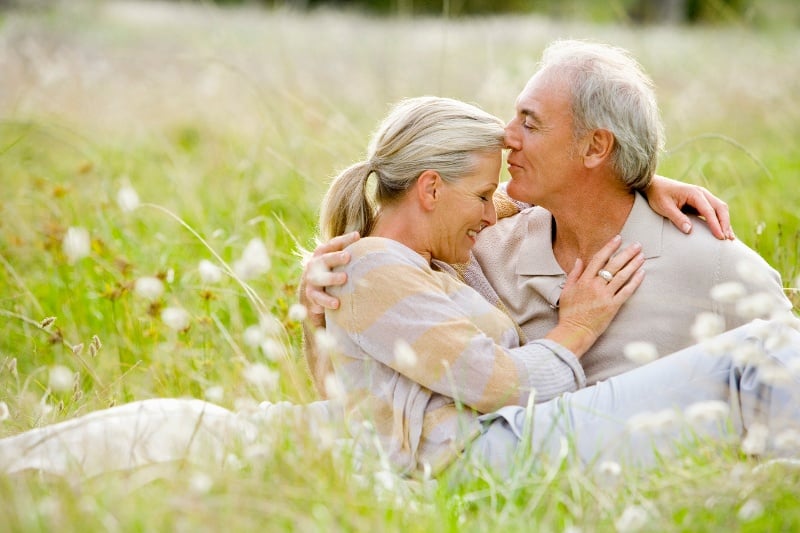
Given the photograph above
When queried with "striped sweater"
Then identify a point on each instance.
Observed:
(420, 355)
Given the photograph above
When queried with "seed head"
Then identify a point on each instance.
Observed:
(127, 199)
(149, 288)
(254, 262)
(60, 379)
(209, 272)
(175, 318)
(76, 244)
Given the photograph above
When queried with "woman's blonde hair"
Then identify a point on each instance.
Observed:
(424, 133)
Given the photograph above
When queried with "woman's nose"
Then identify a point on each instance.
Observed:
(489, 214)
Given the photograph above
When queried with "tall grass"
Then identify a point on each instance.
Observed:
(228, 124)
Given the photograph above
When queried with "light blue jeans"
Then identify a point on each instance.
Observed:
(744, 384)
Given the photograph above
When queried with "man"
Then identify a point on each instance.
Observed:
(583, 145)
(584, 140)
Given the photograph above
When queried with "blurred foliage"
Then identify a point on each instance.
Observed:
(637, 11)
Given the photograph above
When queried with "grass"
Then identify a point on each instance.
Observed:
(231, 121)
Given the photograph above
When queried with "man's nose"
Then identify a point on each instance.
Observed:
(511, 138)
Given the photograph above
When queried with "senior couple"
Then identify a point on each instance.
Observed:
(556, 294)
(439, 373)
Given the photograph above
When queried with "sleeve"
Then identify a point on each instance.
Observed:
(389, 299)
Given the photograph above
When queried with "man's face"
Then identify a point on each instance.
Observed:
(543, 158)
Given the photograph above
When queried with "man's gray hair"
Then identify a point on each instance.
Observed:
(611, 91)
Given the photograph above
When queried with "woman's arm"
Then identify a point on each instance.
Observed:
(667, 197)
(389, 298)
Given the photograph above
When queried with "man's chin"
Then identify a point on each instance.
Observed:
(516, 192)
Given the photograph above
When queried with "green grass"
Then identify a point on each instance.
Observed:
(233, 121)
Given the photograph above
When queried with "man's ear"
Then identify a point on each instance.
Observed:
(598, 148)
(429, 189)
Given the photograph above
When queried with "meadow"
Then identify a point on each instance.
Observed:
(161, 167)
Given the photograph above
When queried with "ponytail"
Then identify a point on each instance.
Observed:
(345, 207)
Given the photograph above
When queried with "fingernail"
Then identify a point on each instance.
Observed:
(686, 227)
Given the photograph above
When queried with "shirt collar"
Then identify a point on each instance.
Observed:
(536, 253)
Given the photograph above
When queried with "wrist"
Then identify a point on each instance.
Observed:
(575, 338)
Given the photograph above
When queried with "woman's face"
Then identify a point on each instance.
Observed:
(465, 209)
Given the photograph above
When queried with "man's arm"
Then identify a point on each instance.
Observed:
(316, 276)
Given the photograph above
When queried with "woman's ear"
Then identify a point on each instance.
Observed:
(429, 189)
(598, 148)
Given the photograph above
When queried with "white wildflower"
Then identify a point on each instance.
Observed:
(755, 443)
(233, 462)
(775, 375)
(253, 336)
(254, 261)
(325, 341)
(127, 199)
(385, 480)
(760, 329)
(719, 345)
(245, 405)
(788, 439)
(404, 354)
(641, 423)
(711, 411)
(608, 473)
(707, 325)
(750, 510)
(317, 274)
(752, 272)
(747, 354)
(641, 352)
(653, 422)
(4, 412)
(756, 305)
(214, 394)
(76, 244)
(334, 389)
(149, 288)
(44, 407)
(170, 275)
(298, 312)
(60, 379)
(785, 317)
(200, 483)
(261, 376)
(209, 272)
(728, 292)
(777, 339)
(272, 349)
(633, 518)
(270, 325)
(175, 318)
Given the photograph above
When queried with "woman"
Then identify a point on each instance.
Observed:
(436, 370)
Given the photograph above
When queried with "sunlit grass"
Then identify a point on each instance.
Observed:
(228, 124)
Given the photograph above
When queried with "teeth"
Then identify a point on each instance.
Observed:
(472, 233)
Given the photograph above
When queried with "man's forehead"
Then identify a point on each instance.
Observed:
(541, 87)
